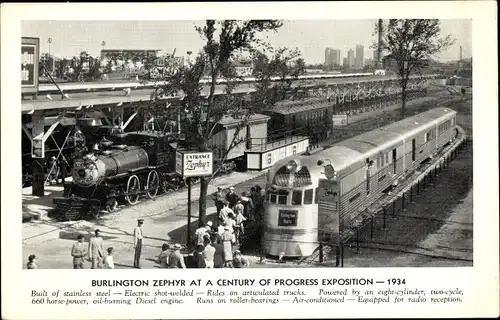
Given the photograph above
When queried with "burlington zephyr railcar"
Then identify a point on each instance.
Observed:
(365, 166)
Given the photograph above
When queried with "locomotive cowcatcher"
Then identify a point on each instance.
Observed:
(120, 169)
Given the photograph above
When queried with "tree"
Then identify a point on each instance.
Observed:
(225, 42)
(411, 43)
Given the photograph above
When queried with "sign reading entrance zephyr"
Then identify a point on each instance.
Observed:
(339, 119)
(194, 164)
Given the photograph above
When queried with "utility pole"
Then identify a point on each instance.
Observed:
(379, 47)
(48, 60)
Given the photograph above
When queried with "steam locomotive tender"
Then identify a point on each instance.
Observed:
(122, 171)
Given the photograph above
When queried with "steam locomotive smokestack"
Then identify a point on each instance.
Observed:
(379, 47)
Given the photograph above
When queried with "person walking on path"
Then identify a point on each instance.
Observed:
(176, 259)
(219, 251)
(109, 262)
(248, 205)
(96, 250)
(163, 256)
(201, 232)
(223, 214)
(208, 254)
(227, 244)
(78, 252)
(138, 243)
(239, 228)
(218, 199)
(232, 198)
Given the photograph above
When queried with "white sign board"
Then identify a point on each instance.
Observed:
(328, 212)
(194, 164)
(339, 119)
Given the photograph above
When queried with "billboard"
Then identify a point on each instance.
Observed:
(339, 119)
(30, 51)
(328, 212)
(194, 164)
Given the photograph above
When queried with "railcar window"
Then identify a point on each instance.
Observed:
(308, 196)
(354, 198)
(378, 162)
(282, 196)
(381, 178)
(387, 157)
(273, 197)
(297, 198)
(316, 195)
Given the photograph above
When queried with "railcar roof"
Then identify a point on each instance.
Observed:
(291, 107)
(344, 153)
(380, 136)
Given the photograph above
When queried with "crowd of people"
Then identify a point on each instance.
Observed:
(216, 245)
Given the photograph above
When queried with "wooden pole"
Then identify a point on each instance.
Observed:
(189, 214)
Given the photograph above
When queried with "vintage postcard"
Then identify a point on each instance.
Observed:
(341, 154)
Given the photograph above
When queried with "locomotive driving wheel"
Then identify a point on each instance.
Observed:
(152, 184)
(133, 187)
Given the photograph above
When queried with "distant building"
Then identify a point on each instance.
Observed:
(127, 56)
(332, 57)
(243, 68)
(345, 63)
(350, 58)
(328, 56)
(359, 60)
(369, 62)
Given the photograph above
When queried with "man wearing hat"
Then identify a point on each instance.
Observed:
(138, 243)
(96, 250)
(218, 199)
(176, 259)
(232, 198)
(200, 232)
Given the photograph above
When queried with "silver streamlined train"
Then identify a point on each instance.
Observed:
(363, 167)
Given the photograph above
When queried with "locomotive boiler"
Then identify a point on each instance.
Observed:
(123, 168)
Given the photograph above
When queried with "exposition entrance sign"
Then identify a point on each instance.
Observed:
(194, 164)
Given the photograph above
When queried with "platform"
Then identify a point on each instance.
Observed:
(116, 96)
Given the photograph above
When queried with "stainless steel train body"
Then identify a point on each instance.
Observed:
(364, 167)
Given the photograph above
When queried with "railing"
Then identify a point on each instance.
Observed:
(261, 144)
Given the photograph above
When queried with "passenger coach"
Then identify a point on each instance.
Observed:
(364, 167)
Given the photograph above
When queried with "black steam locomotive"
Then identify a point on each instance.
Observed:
(123, 168)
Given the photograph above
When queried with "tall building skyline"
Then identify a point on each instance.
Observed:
(332, 57)
(350, 58)
(359, 60)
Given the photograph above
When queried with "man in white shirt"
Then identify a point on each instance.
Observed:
(138, 243)
(96, 250)
(200, 232)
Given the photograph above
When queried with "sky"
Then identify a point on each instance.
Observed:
(311, 37)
